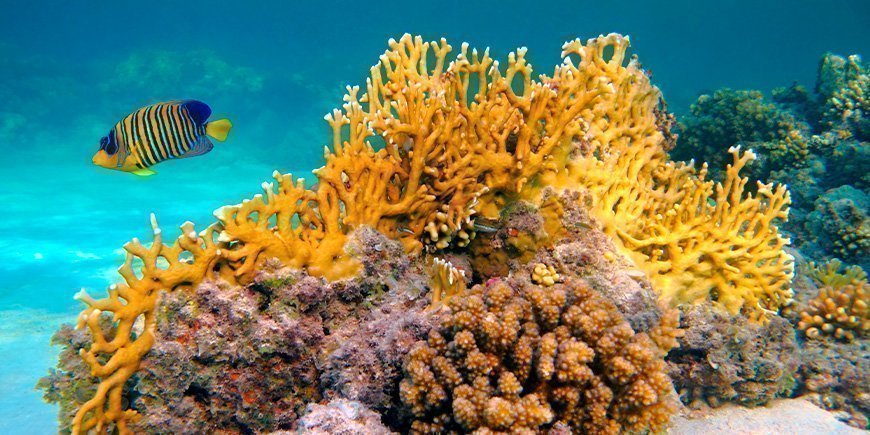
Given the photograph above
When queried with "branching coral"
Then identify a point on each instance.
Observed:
(713, 241)
(695, 238)
(841, 307)
(838, 311)
(521, 360)
(248, 358)
(115, 358)
(231, 249)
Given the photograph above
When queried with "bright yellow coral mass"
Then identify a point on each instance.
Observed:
(435, 142)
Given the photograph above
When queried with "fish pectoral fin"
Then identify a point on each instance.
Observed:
(200, 147)
(145, 172)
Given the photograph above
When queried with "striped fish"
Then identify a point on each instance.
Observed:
(162, 131)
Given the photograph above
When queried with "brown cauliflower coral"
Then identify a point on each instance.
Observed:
(526, 358)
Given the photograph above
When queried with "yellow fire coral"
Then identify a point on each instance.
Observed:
(596, 125)
(696, 239)
(699, 240)
(521, 360)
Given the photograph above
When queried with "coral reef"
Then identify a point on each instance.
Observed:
(433, 150)
(839, 225)
(844, 93)
(728, 118)
(595, 124)
(724, 358)
(585, 252)
(582, 251)
(814, 142)
(230, 250)
(511, 356)
(365, 363)
(69, 384)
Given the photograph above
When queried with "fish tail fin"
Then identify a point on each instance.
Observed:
(219, 129)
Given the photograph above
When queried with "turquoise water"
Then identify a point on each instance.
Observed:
(70, 70)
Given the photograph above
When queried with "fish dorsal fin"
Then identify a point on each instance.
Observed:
(200, 147)
(198, 110)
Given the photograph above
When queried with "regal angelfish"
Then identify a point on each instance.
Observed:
(162, 131)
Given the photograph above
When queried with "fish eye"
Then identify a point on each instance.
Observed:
(104, 141)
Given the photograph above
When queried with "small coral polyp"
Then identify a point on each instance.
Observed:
(522, 357)
(464, 138)
(840, 310)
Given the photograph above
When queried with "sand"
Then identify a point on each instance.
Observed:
(789, 416)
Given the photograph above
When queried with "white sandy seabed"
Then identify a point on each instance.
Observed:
(780, 417)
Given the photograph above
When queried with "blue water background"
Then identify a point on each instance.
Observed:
(70, 70)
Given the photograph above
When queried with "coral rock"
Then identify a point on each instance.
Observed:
(724, 358)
